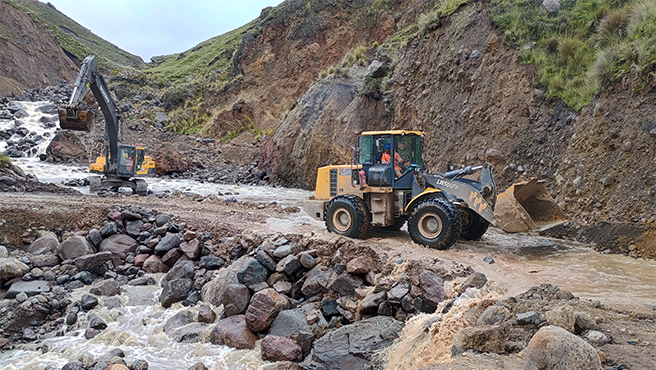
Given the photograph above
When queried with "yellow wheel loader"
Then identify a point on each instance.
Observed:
(386, 185)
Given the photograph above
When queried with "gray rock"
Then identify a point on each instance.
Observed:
(553, 347)
(90, 262)
(47, 243)
(133, 228)
(369, 305)
(282, 251)
(353, 346)
(288, 265)
(84, 276)
(74, 247)
(552, 6)
(290, 322)
(3, 252)
(175, 291)
(493, 315)
(106, 288)
(211, 262)
(530, 318)
(9, 181)
(251, 272)
(168, 242)
(45, 260)
(95, 322)
(188, 334)
(88, 302)
(20, 297)
(30, 288)
(583, 321)
(161, 219)
(108, 229)
(178, 320)
(262, 257)
(95, 237)
(377, 69)
(181, 270)
(398, 292)
(597, 338)
(346, 284)
(317, 281)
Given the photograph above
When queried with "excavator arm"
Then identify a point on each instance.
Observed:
(76, 119)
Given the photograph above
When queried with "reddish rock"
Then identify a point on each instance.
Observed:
(139, 259)
(171, 257)
(154, 264)
(65, 147)
(283, 365)
(233, 332)
(275, 348)
(169, 160)
(191, 248)
(119, 244)
(263, 309)
(206, 314)
(189, 235)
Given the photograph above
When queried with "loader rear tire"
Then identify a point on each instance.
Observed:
(434, 223)
(348, 215)
(473, 225)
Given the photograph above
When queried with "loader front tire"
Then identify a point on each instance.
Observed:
(348, 215)
(434, 223)
(473, 225)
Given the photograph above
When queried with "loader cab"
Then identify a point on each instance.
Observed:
(390, 157)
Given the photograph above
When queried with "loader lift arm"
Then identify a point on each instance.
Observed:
(90, 78)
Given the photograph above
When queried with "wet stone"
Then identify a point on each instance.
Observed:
(211, 262)
(398, 292)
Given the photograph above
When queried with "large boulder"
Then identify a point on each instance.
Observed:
(353, 346)
(66, 147)
(74, 247)
(169, 160)
(30, 288)
(265, 305)
(290, 322)
(48, 242)
(233, 332)
(175, 291)
(12, 268)
(246, 271)
(119, 244)
(154, 265)
(554, 348)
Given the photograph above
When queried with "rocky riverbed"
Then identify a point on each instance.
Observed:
(296, 298)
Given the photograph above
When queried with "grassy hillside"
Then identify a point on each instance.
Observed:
(74, 38)
(585, 45)
(208, 59)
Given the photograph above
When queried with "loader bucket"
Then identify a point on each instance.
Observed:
(526, 205)
(75, 119)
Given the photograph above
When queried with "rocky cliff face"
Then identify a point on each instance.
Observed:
(475, 101)
(31, 57)
(280, 59)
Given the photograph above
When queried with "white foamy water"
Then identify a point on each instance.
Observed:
(137, 329)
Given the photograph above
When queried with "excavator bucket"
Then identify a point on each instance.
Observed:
(526, 205)
(75, 119)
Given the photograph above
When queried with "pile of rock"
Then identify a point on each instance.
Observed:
(14, 179)
(309, 299)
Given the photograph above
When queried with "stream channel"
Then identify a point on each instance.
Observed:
(520, 261)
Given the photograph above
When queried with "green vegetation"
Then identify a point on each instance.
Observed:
(5, 161)
(74, 38)
(258, 134)
(585, 45)
(208, 60)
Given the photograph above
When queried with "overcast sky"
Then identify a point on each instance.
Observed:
(160, 27)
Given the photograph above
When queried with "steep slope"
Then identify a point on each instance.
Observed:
(76, 40)
(475, 100)
(29, 55)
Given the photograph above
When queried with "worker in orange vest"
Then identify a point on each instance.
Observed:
(387, 158)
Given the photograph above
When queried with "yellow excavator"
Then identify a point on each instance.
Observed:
(385, 185)
(118, 164)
